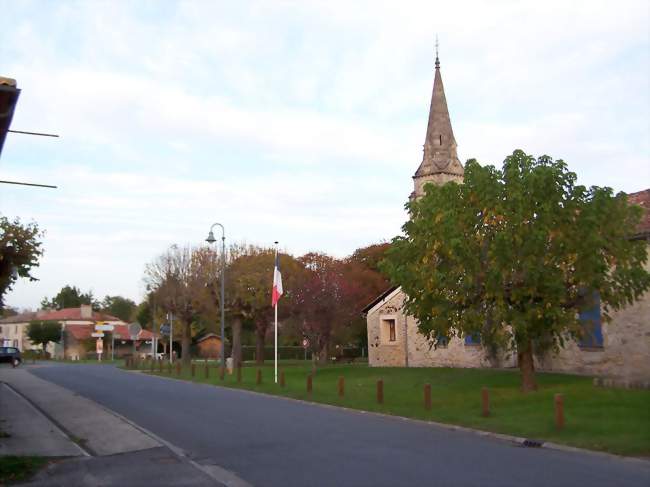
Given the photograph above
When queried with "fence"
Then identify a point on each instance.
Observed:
(249, 353)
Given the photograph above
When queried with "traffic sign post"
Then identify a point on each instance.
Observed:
(99, 347)
(134, 331)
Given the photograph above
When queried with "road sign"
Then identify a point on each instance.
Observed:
(104, 327)
(99, 345)
(97, 335)
(134, 330)
(165, 329)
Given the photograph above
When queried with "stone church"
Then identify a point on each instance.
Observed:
(620, 348)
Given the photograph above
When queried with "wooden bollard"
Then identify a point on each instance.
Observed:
(193, 368)
(152, 365)
(380, 391)
(341, 386)
(239, 374)
(222, 373)
(169, 368)
(282, 382)
(207, 369)
(485, 402)
(258, 379)
(310, 384)
(160, 366)
(559, 411)
(178, 368)
(427, 396)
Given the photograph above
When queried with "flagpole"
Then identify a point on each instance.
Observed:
(275, 374)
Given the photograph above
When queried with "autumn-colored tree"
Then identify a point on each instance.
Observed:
(20, 249)
(181, 279)
(514, 254)
(248, 293)
(369, 257)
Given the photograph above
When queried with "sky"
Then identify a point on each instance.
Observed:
(297, 121)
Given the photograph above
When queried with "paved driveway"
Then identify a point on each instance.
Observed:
(271, 441)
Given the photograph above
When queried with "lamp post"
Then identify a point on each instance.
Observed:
(212, 240)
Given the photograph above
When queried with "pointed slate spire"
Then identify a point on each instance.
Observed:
(440, 161)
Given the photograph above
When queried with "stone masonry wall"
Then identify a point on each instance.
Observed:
(626, 347)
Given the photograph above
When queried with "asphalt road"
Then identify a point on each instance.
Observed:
(270, 441)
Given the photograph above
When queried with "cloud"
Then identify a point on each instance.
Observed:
(294, 120)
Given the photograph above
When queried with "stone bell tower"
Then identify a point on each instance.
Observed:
(440, 162)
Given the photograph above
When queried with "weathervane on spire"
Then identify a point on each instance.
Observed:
(437, 60)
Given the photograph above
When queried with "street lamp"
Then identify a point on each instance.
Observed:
(212, 240)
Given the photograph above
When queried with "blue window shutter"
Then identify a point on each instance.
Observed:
(473, 339)
(592, 326)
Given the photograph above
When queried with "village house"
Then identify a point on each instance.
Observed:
(77, 326)
(620, 348)
(13, 331)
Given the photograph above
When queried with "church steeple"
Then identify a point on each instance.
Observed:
(440, 162)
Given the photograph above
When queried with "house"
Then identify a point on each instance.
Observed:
(620, 348)
(209, 346)
(13, 331)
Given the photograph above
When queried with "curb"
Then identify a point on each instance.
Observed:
(85, 451)
(516, 440)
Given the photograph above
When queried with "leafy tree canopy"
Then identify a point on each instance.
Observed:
(70, 297)
(20, 249)
(44, 332)
(123, 308)
(514, 253)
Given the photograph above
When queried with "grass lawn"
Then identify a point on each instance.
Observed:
(16, 469)
(612, 420)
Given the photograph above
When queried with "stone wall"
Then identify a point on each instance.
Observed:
(438, 179)
(412, 344)
(626, 347)
(625, 353)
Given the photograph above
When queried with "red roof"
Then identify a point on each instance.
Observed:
(74, 314)
(82, 332)
(642, 198)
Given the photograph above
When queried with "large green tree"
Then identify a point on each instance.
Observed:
(123, 308)
(20, 249)
(44, 332)
(514, 254)
(70, 297)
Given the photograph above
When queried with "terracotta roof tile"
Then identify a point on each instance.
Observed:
(642, 198)
(83, 332)
(74, 314)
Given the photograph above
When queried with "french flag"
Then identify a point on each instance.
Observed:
(277, 282)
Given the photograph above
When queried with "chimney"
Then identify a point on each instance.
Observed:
(86, 311)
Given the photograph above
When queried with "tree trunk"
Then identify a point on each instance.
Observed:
(236, 342)
(186, 339)
(259, 345)
(527, 366)
(323, 354)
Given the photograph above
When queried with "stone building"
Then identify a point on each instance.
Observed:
(620, 348)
